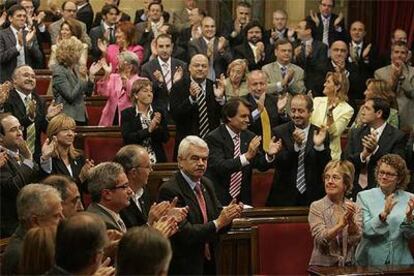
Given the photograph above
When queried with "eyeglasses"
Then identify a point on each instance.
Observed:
(123, 187)
(387, 174)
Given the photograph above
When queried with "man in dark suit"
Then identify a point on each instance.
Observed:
(367, 144)
(163, 71)
(196, 102)
(253, 49)
(18, 171)
(234, 152)
(110, 193)
(195, 242)
(194, 30)
(327, 26)
(259, 100)
(141, 15)
(18, 46)
(136, 163)
(105, 30)
(279, 29)
(362, 60)
(98, 16)
(302, 159)
(85, 13)
(234, 31)
(215, 48)
(312, 56)
(150, 29)
(24, 103)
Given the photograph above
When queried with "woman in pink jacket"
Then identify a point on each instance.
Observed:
(117, 87)
(126, 40)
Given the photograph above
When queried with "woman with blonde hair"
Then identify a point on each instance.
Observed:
(333, 111)
(145, 124)
(380, 89)
(335, 221)
(236, 81)
(388, 218)
(70, 82)
(59, 155)
(38, 251)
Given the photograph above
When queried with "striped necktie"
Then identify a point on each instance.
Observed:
(236, 177)
(31, 129)
(325, 36)
(203, 124)
(300, 177)
(167, 76)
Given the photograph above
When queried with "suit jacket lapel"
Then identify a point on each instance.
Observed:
(17, 101)
(188, 193)
(228, 142)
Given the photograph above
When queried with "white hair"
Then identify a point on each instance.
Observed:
(190, 140)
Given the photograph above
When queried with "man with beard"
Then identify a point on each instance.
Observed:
(253, 49)
(303, 157)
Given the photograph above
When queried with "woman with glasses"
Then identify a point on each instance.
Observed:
(387, 216)
(145, 124)
(335, 221)
(59, 155)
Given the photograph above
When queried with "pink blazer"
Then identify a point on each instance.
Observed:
(117, 97)
(113, 52)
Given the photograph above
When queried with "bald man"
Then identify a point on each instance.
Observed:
(196, 102)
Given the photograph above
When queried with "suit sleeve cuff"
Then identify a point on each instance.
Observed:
(319, 148)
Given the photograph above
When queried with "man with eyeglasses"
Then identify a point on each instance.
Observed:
(18, 171)
(110, 193)
(69, 9)
(367, 144)
(136, 163)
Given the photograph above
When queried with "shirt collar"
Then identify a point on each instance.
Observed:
(306, 129)
(354, 44)
(106, 26)
(281, 65)
(161, 62)
(379, 130)
(149, 113)
(83, 5)
(252, 45)
(208, 40)
(189, 180)
(14, 30)
(138, 194)
(23, 96)
(231, 132)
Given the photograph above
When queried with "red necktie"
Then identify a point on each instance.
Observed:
(203, 208)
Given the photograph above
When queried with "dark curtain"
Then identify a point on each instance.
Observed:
(393, 14)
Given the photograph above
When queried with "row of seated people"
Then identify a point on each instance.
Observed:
(335, 222)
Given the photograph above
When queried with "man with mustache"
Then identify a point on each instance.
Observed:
(23, 102)
(253, 49)
(235, 151)
(302, 159)
(194, 244)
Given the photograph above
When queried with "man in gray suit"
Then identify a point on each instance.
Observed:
(18, 46)
(216, 49)
(282, 75)
(110, 192)
(400, 76)
(69, 9)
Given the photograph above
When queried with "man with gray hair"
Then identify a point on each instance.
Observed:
(136, 163)
(194, 243)
(110, 192)
(38, 205)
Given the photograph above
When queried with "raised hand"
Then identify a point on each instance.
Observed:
(84, 173)
(30, 36)
(95, 68)
(103, 46)
(298, 136)
(369, 142)
(3, 158)
(48, 148)
(158, 76)
(178, 75)
(390, 202)
(409, 210)
(155, 122)
(53, 109)
(195, 89)
(314, 17)
(230, 212)
(222, 43)
(260, 49)
(290, 34)
(105, 269)
(219, 88)
(319, 136)
(253, 147)
(275, 146)
(24, 150)
(338, 19)
(157, 210)
(107, 67)
(167, 226)
(4, 91)
(282, 101)
(365, 53)
(179, 214)
(3, 18)
(289, 76)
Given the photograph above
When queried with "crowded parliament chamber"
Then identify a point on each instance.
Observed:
(206, 137)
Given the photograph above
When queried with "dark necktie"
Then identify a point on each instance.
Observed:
(203, 124)
(111, 35)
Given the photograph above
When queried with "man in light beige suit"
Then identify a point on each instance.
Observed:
(400, 76)
(69, 9)
(282, 75)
